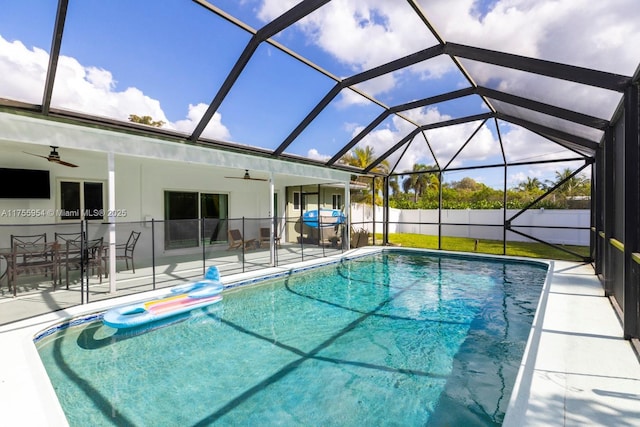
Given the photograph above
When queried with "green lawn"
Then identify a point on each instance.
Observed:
(462, 244)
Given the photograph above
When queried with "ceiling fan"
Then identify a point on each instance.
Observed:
(246, 176)
(54, 157)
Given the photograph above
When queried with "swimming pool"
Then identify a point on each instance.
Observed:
(396, 338)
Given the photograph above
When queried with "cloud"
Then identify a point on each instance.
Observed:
(215, 129)
(520, 146)
(362, 34)
(89, 90)
(24, 71)
(316, 155)
(575, 32)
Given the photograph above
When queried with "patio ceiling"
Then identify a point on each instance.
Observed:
(320, 78)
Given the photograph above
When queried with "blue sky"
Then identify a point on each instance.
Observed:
(168, 59)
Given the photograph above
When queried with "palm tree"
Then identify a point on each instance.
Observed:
(363, 157)
(394, 184)
(530, 185)
(573, 186)
(420, 182)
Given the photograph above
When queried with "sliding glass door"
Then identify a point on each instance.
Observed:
(214, 210)
(183, 213)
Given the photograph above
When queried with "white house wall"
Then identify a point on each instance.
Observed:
(144, 168)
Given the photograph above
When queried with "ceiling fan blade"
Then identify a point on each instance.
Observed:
(246, 177)
(63, 163)
(37, 155)
(53, 157)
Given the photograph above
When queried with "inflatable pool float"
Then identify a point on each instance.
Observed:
(181, 299)
(323, 218)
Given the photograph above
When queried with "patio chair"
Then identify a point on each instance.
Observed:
(125, 251)
(265, 236)
(72, 259)
(34, 240)
(236, 241)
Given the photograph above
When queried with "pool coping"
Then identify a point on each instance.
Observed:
(29, 397)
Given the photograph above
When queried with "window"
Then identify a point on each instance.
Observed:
(296, 200)
(336, 201)
(81, 200)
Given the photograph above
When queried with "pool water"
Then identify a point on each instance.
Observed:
(397, 339)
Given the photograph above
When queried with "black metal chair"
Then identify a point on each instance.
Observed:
(72, 255)
(33, 240)
(125, 251)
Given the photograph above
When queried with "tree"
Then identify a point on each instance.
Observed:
(394, 184)
(363, 157)
(574, 186)
(420, 182)
(145, 120)
(466, 184)
(531, 185)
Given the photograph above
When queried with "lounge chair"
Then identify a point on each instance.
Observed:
(236, 241)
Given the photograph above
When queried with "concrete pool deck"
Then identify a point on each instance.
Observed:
(577, 371)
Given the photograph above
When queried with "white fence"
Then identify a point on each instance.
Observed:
(425, 221)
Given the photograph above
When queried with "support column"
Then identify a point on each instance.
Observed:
(272, 214)
(631, 216)
(608, 214)
(111, 184)
(385, 211)
(347, 204)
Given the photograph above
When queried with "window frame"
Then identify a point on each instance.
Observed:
(83, 209)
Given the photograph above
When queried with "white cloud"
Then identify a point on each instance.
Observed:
(272, 9)
(365, 33)
(316, 155)
(215, 129)
(24, 71)
(575, 32)
(520, 146)
(88, 90)
(362, 34)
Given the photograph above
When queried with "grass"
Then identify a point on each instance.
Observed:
(463, 244)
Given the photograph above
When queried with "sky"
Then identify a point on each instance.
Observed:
(168, 59)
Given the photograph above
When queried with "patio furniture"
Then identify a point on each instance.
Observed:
(359, 238)
(32, 259)
(125, 251)
(236, 241)
(71, 255)
(265, 236)
(33, 239)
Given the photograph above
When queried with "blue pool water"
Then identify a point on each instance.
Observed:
(397, 339)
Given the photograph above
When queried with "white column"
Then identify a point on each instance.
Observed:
(272, 213)
(347, 208)
(111, 184)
